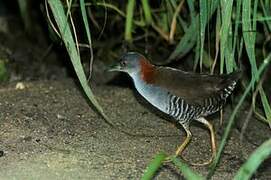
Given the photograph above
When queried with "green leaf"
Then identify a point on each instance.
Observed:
(266, 12)
(253, 162)
(191, 9)
(225, 40)
(147, 11)
(266, 105)
(185, 170)
(86, 25)
(85, 20)
(189, 39)
(154, 165)
(67, 37)
(249, 34)
(25, 14)
(235, 35)
(203, 14)
(129, 20)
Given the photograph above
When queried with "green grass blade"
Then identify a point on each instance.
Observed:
(67, 37)
(185, 170)
(225, 40)
(86, 25)
(25, 14)
(157, 162)
(203, 16)
(197, 54)
(217, 39)
(129, 20)
(187, 42)
(230, 63)
(85, 20)
(266, 106)
(232, 117)
(154, 165)
(180, 22)
(236, 35)
(266, 12)
(189, 39)
(164, 22)
(249, 35)
(113, 7)
(147, 11)
(257, 157)
(250, 38)
(191, 9)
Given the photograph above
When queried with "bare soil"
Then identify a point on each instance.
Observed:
(49, 131)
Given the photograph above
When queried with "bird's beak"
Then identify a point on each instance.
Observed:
(115, 67)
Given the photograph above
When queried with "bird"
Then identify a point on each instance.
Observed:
(183, 96)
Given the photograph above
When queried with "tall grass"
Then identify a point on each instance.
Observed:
(221, 35)
(65, 32)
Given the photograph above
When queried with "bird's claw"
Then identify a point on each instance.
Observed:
(169, 159)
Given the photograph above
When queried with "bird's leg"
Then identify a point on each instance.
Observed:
(186, 141)
(210, 127)
(221, 117)
(184, 144)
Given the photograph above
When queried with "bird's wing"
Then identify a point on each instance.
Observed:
(192, 87)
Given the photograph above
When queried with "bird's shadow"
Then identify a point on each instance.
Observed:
(121, 80)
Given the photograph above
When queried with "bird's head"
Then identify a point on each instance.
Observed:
(136, 65)
(129, 62)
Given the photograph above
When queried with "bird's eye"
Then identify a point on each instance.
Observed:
(123, 63)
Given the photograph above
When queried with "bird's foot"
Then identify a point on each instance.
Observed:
(169, 159)
(205, 163)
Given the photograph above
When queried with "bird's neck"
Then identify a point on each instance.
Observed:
(153, 94)
(147, 71)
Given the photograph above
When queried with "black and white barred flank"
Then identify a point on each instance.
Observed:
(181, 110)
(185, 112)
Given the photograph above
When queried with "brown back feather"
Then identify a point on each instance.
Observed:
(193, 88)
(147, 71)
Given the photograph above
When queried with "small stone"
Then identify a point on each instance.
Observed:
(60, 117)
(20, 86)
(1, 153)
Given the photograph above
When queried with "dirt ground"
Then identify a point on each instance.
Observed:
(49, 131)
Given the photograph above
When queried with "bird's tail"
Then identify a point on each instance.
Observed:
(229, 83)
